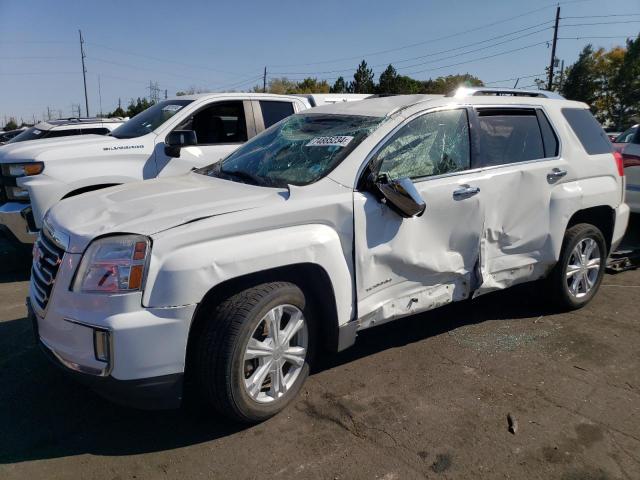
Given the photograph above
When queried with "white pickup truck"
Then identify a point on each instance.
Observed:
(167, 139)
(335, 220)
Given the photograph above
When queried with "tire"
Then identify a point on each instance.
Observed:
(561, 283)
(222, 368)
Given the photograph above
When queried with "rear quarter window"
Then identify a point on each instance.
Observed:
(591, 135)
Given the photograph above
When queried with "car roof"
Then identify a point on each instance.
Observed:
(250, 95)
(386, 106)
(62, 122)
(374, 107)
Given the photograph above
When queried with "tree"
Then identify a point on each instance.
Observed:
(363, 79)
(279, 86)
(339, 86)
(388, 82)
(118, 112)
(627, 83)
(11, 124)
(606, 68)
(140, 105)
(444, 85)
(581, 83)
(192, 90)
(312, 85)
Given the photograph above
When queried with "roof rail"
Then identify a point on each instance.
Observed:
(503, 92)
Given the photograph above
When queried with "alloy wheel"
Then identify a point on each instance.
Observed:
(275, 353)
(583, 267)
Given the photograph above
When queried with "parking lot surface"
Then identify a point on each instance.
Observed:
(424, 397)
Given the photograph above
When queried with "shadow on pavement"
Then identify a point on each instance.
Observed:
(44, 414)
(15, 261)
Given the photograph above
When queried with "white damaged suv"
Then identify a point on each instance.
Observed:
(228, 279)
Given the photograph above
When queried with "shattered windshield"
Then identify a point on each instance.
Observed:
(299, 150)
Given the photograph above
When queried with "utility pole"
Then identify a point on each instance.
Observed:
(553, 49)
(165, 93)
(48, 112)
(84, 73)
(264, 81)
(561, 75)
(100, 96)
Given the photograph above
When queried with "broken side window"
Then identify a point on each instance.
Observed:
(432, 144)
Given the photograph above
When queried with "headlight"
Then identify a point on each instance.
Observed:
(22, 169)
(113, 265)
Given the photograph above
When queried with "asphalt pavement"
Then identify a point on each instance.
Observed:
(425, 397)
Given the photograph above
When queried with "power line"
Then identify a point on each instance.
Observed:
(546, 42)
(163, 60)
(604, 16)
(395, 62)
(240, 83)
(519, 77)
(433, 40)
(38, 73)
(597, 36)
(599, 23)
(37, 58)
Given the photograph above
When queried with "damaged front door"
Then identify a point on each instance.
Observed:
(406, 265)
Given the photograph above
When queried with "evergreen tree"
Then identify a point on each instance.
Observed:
(363, 79)
(388, 82)
(339, 86)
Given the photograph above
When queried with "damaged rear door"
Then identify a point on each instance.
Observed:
(519, 153)
(406, 265)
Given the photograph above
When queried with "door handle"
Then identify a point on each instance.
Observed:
(555, 174)
(465, 192)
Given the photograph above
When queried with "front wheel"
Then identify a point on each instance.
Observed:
(578, 274)
(255, 351)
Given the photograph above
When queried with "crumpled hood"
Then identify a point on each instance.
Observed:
(154, 205)
(52, 148)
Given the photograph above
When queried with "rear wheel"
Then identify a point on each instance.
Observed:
(578, 274)
(255, 351)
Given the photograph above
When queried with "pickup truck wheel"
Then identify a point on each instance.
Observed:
(255, 351)
(578, 274)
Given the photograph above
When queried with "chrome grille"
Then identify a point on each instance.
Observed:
(47, 257)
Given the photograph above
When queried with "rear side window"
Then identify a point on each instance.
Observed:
(61, 133)
(588, 130)
(511, 136)
(273, 112)
(95, 131)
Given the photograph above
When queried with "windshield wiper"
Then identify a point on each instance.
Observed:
(254, 179)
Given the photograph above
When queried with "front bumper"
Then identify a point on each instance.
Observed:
(147, 352)
(18, 219)
(152, 393)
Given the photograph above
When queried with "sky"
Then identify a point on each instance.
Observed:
(216, 45)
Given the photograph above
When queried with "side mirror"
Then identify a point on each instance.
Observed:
(178, 139)
(401, 195)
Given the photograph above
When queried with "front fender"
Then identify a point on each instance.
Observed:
(183, 276)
